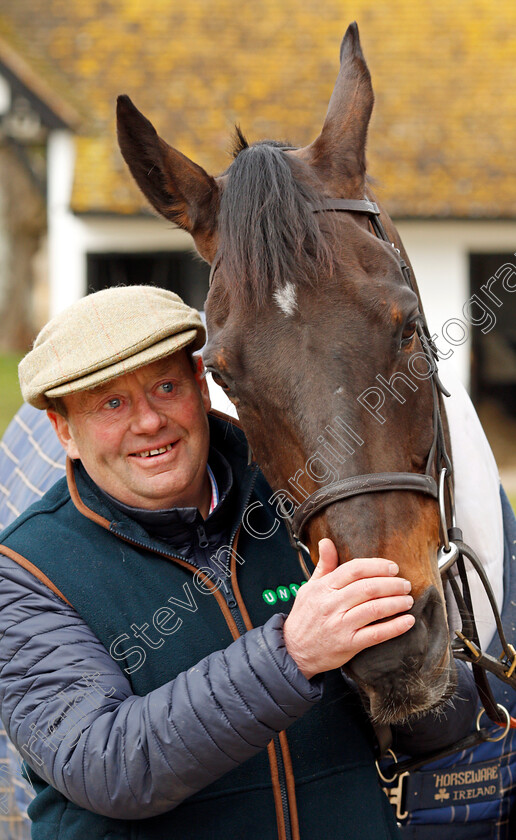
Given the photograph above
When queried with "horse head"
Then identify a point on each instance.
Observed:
(313, 335)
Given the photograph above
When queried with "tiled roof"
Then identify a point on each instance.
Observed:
(35, 82)
(442, 136)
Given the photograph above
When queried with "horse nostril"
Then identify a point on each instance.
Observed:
(429, 609)
(425, 606)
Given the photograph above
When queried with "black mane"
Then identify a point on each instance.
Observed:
(268, 232)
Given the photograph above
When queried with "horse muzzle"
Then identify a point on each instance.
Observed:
(411, 673)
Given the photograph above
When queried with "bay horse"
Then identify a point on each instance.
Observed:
(308, 309)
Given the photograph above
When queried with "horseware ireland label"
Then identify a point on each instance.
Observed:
(453, 786)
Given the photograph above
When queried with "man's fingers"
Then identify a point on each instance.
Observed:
(345, 609)
(369, 589)
(377, 633)
(361, 568)
(379, 608)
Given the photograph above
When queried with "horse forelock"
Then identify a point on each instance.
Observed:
(268, 234)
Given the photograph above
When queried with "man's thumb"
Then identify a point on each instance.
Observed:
(328, 559)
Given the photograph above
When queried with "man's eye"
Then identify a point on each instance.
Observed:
(167, 387)
(114, 402)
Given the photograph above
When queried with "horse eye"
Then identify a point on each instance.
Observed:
(217, 378)
(408, 332)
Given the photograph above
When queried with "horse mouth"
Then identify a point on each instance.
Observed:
(411, 674)
(410, 695)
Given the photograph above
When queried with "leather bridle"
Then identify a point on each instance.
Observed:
(453, 550)
(437, 456)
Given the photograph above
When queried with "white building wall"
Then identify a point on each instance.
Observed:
(72, 237)
(64, 251)
(439, 253)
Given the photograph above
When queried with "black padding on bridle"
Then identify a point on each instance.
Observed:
(358, 484)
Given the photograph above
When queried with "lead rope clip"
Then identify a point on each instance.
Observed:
(503, 658)
(506, 728)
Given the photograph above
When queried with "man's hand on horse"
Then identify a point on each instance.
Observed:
(337, 613)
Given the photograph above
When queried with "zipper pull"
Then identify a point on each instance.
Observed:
(230, 599)
(201, 536)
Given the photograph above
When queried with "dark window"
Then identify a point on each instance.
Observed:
(493, 373)
(181, 272)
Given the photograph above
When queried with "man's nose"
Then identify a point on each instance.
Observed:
(146, 419)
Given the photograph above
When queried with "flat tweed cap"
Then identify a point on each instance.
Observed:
(105, 335)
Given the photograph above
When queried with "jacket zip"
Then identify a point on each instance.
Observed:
(225, 583)
(283, 787)
(231, 601)
(229, 596)
(235, 612)
(201, 537)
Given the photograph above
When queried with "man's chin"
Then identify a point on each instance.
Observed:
(161, 490)
(160, 496)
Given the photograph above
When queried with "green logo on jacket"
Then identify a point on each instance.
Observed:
(281, 593)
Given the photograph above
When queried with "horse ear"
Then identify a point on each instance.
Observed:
(338, 154)
(177, 188)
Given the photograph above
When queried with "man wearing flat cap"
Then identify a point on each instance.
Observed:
(131, 681)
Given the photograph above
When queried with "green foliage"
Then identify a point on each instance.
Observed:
(10, 396)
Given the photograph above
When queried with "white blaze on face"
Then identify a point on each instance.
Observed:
(286, 298)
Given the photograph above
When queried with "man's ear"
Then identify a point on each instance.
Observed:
(63, 431)
(177, 188)
(200, 378)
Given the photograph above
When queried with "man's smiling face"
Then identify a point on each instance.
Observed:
(144, 436)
